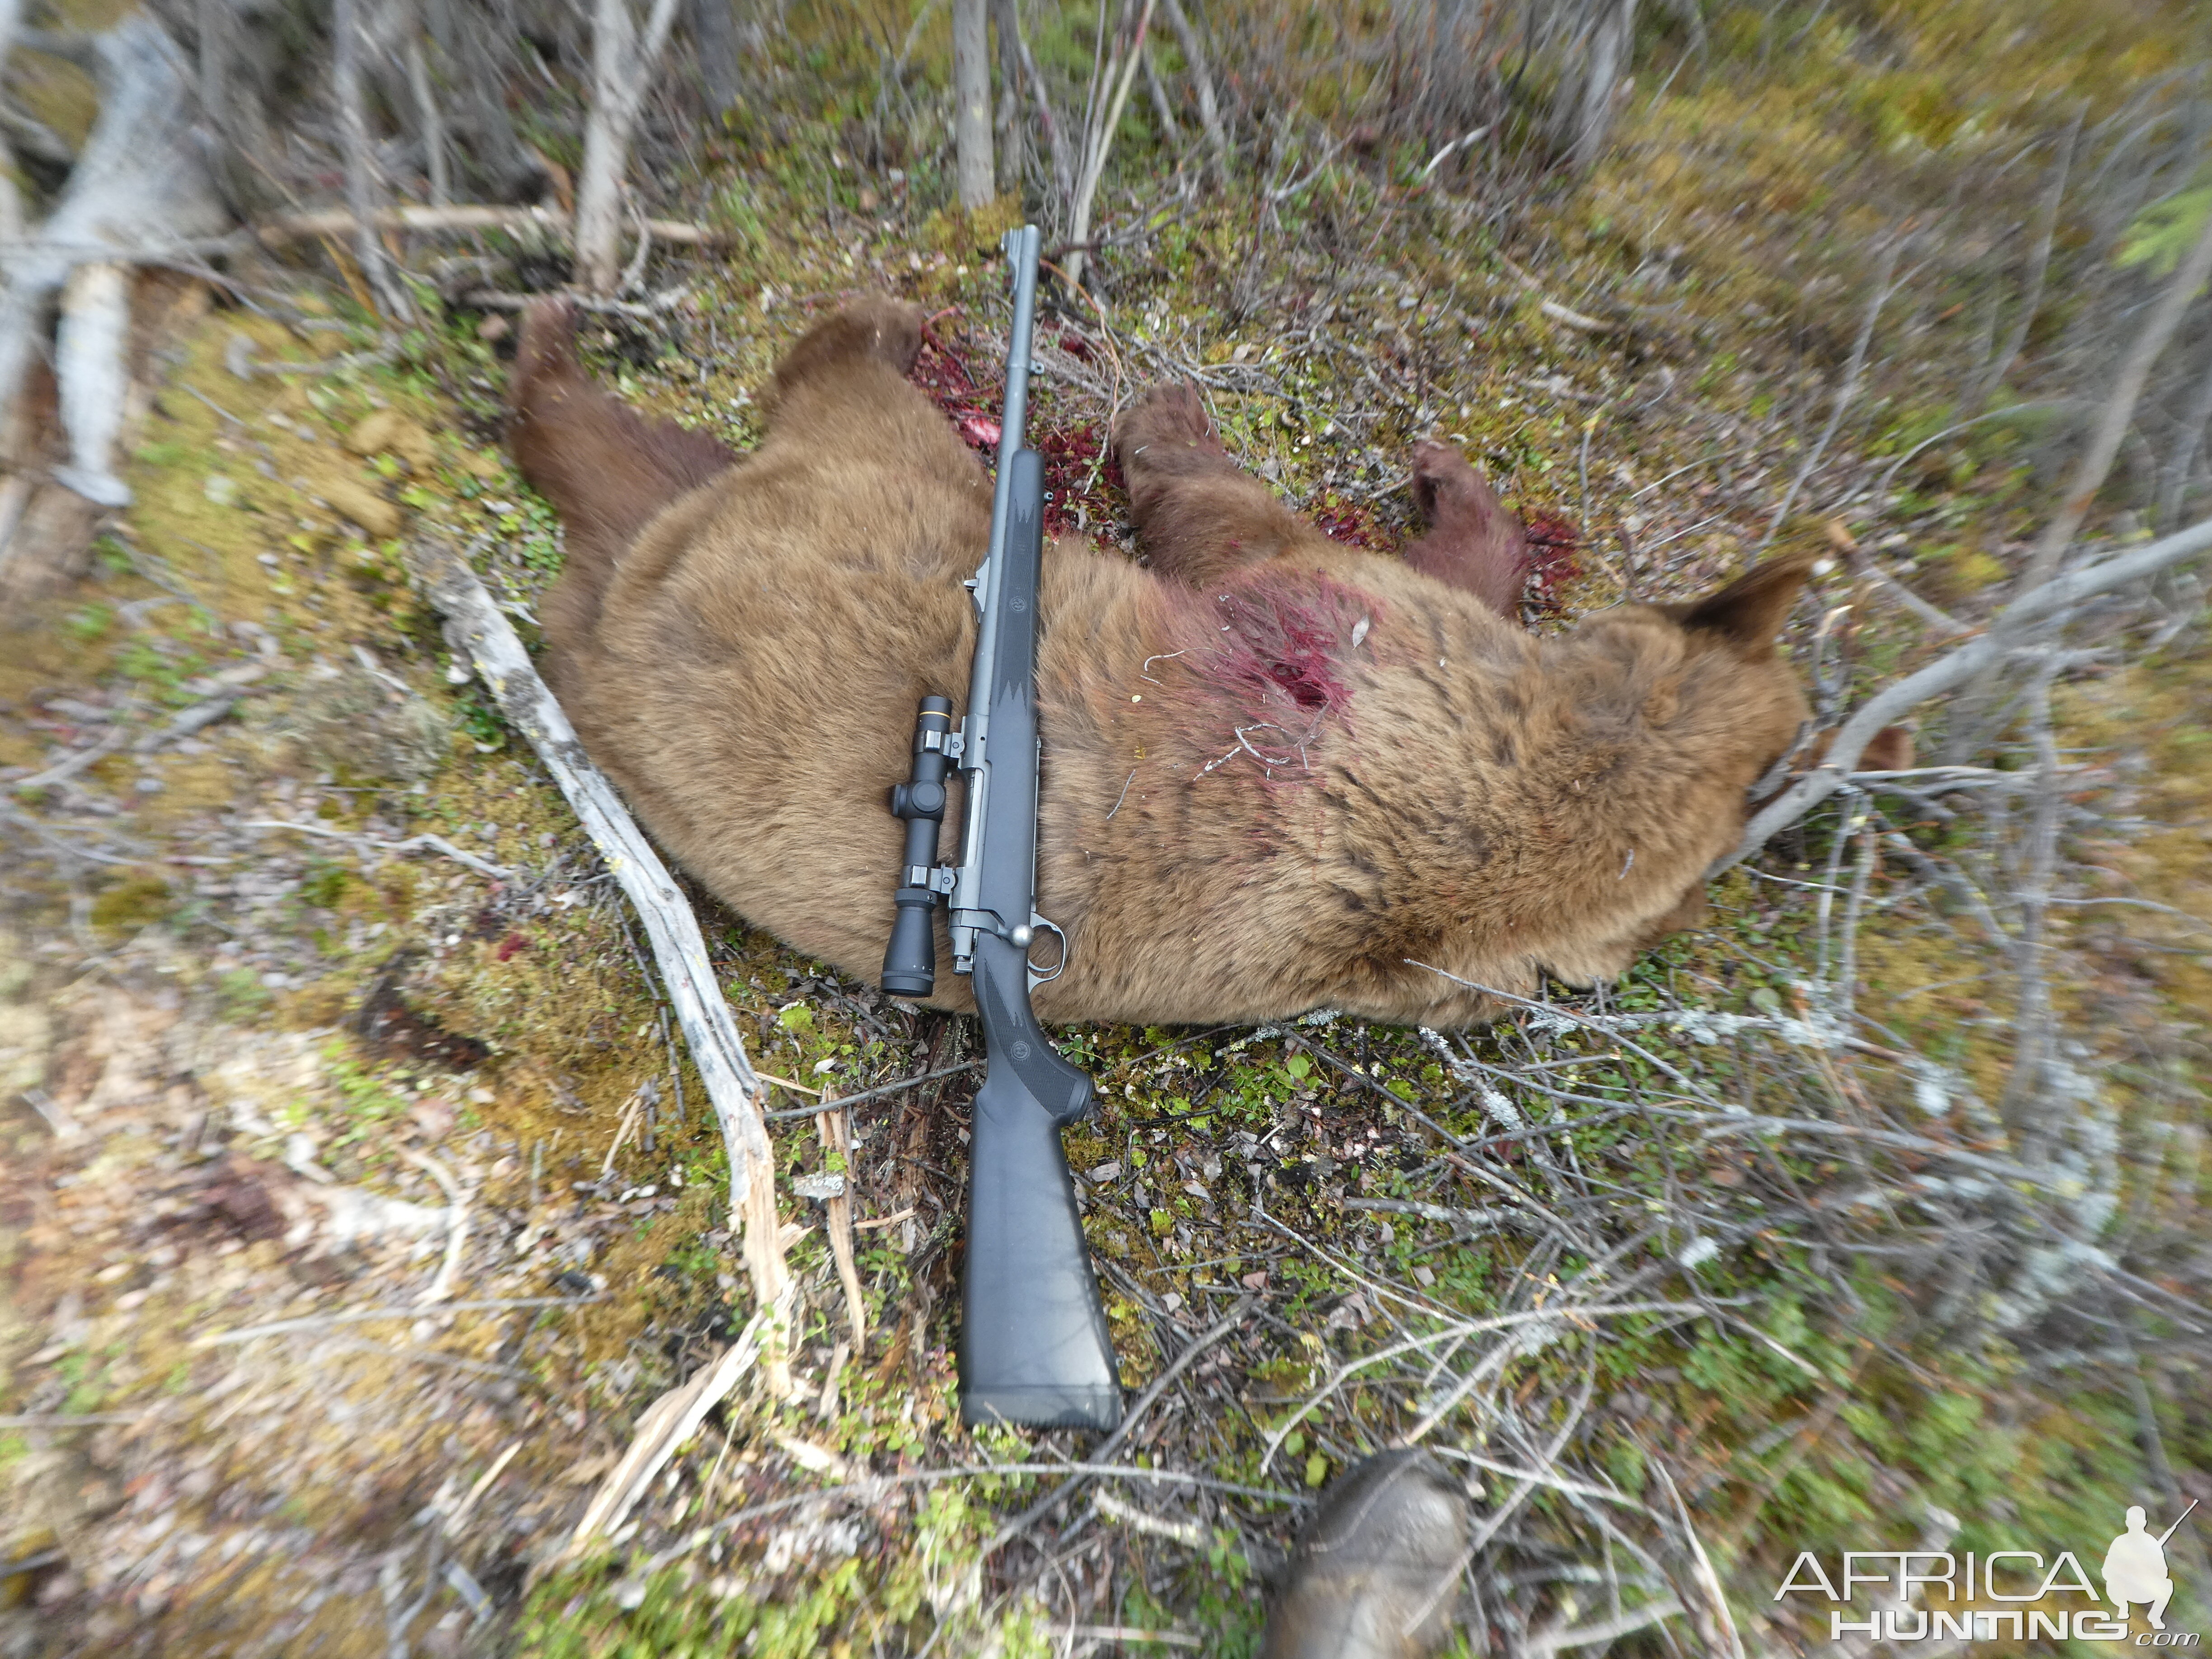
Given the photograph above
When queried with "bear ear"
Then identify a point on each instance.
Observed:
(1891, 751)
(1750, 610)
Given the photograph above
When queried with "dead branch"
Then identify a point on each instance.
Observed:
(1201, 83)
(433, 843)
(667, 1423)
(1553, 308)
(2118, 413)
(2039, 267)
(1063, 170)
(835, 1129)
(138, 186)
(427, 110)
(459, 219)
(1948, 673)
(477, 629)
(1119, 74)
(1883, 287)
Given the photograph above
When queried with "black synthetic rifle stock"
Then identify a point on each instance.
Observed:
(1033, 1347)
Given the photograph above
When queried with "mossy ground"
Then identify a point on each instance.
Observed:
(188, 1003)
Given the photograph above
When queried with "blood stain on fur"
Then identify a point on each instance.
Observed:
(1285, 635)
(1350, 522)
(1552, 543)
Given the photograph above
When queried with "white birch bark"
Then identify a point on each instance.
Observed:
(971, 100)
(622, 61)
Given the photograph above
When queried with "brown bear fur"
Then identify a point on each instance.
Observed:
(1278, 771)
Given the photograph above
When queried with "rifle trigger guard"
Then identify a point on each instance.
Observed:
(1039, 925)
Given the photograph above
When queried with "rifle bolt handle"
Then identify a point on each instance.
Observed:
(1021, 936)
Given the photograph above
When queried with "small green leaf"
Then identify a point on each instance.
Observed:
(1316, 1469)
(2163, 232)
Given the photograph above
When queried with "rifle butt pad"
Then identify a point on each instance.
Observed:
(1034, 1344)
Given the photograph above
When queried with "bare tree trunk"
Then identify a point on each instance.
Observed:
(1611, 42)
(360, 165)
(971, 100)
(714, 34)
(426, 109)
(11, 199)
(1201, 83)
(1014, 149)
(621, 62)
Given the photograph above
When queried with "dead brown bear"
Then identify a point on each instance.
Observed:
(1279, 772)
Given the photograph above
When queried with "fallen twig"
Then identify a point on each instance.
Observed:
(457, 1226)
(835, 1126)
(371, 1315)
(1080, 1473)
(433, 843)
(1553, 308)
(492, 299)
(668, 1422)
(463, 217)
(476, 627)
(842, 1102)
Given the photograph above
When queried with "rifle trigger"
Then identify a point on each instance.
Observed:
(1039, 925)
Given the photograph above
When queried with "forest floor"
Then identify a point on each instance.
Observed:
(1736, 1259)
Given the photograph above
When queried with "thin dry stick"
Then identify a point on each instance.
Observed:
(457, 1226)
(476, 628)
(1121, 75)
(2039, 267)
(835, 1128)
(1095, 1464)
(1063, 171)
(2118, 413)
(426, 107)
(1202, 84)
(1883, 288)
(666, 1423)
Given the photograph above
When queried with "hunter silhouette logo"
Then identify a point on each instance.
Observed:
(1918, 1594)
(2134, 1568)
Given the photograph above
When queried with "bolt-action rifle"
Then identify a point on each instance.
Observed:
(1034, 1347)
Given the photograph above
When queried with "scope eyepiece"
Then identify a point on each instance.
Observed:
(910, 959)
